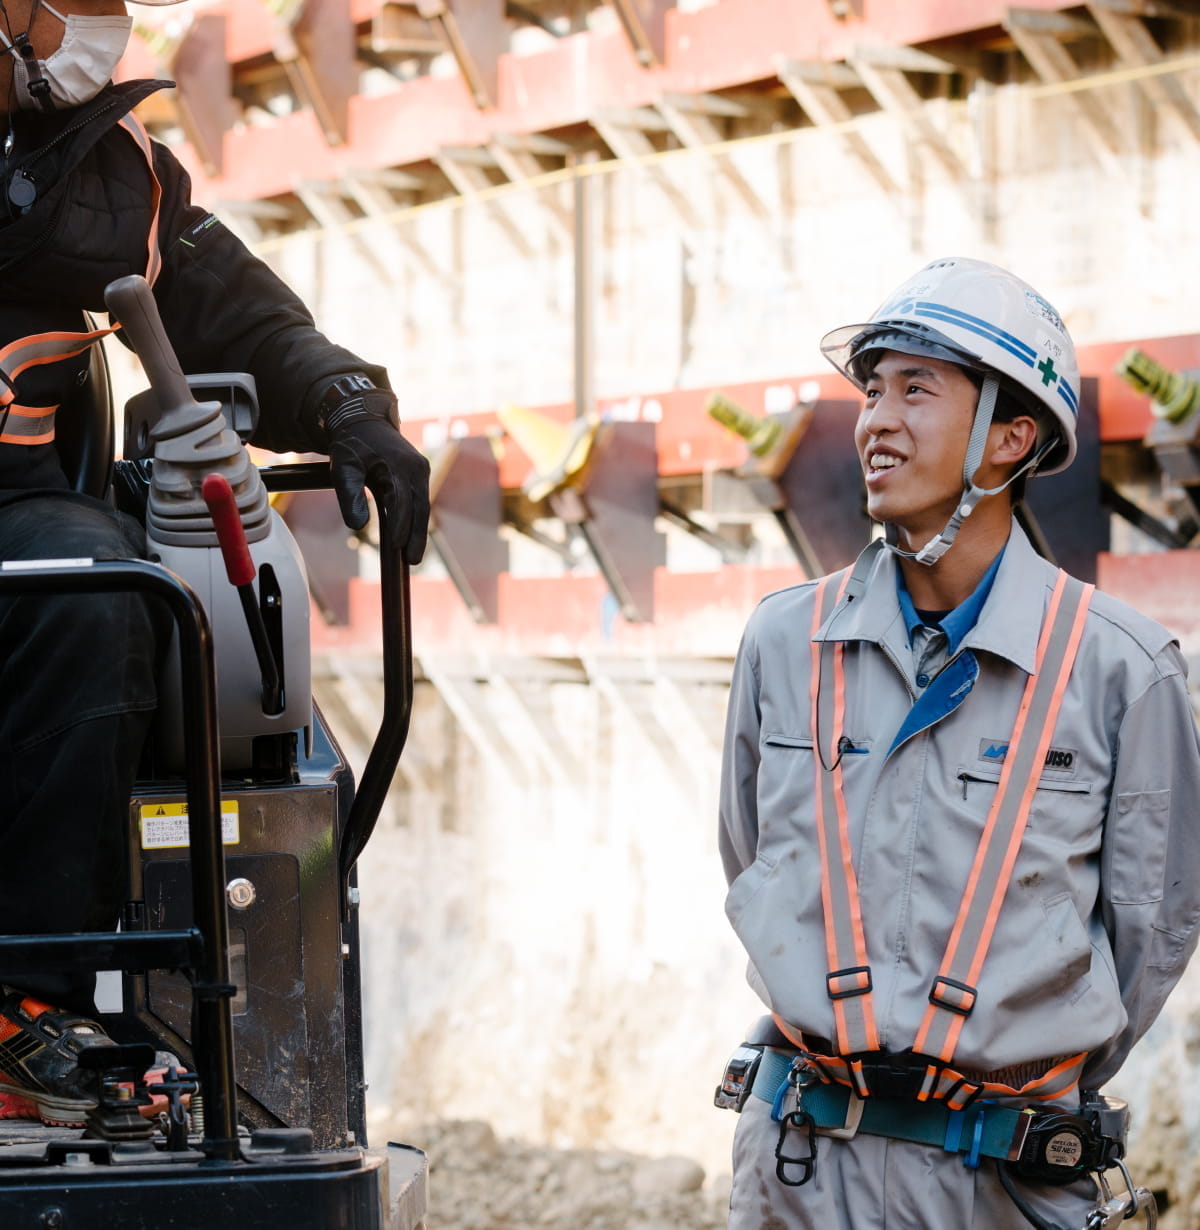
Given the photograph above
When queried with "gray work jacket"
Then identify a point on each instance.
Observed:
(1101, 913)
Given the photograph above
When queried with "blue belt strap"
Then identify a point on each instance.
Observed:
(982, 1130)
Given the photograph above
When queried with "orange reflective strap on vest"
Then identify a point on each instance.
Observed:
(35, 424)
(849, 979)
(21, 424)
(954, 992)
(133, 126)
(25, 426)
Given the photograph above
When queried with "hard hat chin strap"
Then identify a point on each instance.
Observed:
(936, 547)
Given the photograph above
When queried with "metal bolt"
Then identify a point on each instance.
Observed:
(241, 893)
(52, 1218)
(354, 895)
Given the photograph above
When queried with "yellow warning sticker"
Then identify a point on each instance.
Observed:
(164, 826)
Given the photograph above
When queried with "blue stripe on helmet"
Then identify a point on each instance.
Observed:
(999, 337)
(1004, 341)
(976, 324)
(973, 324)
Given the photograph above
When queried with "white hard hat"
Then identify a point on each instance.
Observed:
(979, 316)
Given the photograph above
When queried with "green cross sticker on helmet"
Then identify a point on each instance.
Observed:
(980, 316)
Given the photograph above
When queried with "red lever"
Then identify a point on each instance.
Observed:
(227, 521)
(239, 567)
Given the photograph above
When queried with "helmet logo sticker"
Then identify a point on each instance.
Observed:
(1046, 367)
(1035, 305)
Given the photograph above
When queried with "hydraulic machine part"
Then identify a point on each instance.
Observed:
(191, 440)
(600, 478)
(762, 434)
(1174, 436)
(1174, 396)
(801, 467)
(466, 511)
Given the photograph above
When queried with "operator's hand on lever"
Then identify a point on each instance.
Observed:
(366, 450)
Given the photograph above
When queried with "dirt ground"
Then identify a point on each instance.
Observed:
(480, 1182)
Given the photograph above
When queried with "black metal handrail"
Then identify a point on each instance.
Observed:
(211, 988)
(396, 617)
(23, 955)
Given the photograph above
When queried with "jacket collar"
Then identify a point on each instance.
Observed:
(1008, 625)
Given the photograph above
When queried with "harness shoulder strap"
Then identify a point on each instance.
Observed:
(35, 424)
(848, 981)
(954, 993)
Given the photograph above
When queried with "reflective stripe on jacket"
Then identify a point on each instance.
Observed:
(1092, 933)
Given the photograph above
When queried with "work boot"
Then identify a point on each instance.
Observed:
(40, 1076)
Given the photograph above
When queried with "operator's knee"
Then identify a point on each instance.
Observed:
(67, 659)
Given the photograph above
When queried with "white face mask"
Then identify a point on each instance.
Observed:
(82, 66)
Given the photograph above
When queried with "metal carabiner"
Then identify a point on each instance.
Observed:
(1116, 1209)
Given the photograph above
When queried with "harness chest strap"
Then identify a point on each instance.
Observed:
(35, 424)
(953, 994)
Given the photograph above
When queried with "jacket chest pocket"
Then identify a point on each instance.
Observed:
(1067, 805)
(787, 783)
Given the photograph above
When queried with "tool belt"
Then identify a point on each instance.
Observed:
(1041, 1144)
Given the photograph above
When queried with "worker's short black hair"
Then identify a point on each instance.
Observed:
(1013, 402)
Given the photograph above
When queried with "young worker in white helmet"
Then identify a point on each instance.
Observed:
(958, 811)
(85, 198)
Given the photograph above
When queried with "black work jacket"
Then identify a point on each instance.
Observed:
(222, 307)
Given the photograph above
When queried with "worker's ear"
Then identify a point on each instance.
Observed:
(1010, 442)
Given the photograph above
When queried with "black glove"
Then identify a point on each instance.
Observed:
(366, 449)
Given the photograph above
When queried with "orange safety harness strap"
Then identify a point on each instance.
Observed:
(954, 992)
(848, 982)
(21, 424)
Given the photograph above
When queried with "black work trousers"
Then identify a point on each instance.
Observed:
(77, 695)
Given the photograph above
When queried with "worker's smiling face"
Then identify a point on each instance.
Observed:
(912, 438)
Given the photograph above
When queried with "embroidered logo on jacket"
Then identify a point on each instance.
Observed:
(1058, 759)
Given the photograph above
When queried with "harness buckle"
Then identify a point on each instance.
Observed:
(942, 993)
(737, 1081)
(860, 981)
(892, 1074)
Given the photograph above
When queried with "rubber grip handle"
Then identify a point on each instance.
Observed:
(131, 301)
(227, 521)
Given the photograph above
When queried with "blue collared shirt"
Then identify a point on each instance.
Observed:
(942, 693)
